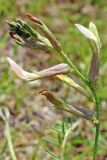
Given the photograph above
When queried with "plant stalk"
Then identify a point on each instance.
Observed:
(67, 134)
(69, 62)
(9, 140)
(65, 141)
(97, 126)
(97, 102)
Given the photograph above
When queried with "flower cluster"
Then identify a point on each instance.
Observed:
(25, 35)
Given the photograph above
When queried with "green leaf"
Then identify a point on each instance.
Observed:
(52, 155)
(51, 140)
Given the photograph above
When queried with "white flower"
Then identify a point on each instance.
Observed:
(20, 72)
(34, 75)
(94, 30)
(91, 33)
(86, 32)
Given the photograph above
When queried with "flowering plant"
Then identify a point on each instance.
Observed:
(25, 35)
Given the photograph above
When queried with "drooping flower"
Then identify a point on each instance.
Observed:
(31, 76)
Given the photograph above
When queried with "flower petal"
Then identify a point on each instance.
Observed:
(86, 32)
(20, 72)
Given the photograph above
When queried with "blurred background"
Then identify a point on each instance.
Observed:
(31, 114)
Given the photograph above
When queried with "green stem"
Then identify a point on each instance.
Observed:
(64, 142)
(69, 62)
(9, 140)
(97, 127)
(67, 134)
(97, 102)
